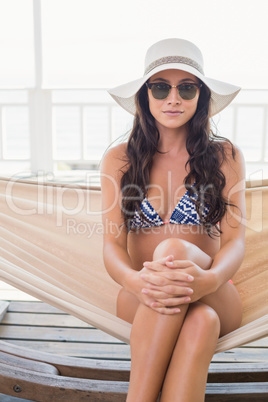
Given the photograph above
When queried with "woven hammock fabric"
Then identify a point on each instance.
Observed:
(51, 248)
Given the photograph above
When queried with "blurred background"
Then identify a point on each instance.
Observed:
(58, 57)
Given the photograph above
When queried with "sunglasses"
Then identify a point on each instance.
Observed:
(161, 90)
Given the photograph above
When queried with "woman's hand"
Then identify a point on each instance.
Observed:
(203, 282)
(137, 282)
(164, 288)
(179, 282)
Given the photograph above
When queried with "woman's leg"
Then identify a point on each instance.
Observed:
(225, 301)
(152, 342)
(157, 339)
(154, 335)
(217, 314)
(127, 305)
(186, 376)
(214, 315)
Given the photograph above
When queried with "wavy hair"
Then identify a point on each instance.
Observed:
(206, 154)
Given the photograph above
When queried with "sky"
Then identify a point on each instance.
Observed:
(102, 44)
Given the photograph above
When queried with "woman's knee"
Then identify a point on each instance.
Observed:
(179, 248)
(203, 321)
(182, 250)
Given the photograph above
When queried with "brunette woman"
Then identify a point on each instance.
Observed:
(175, 191)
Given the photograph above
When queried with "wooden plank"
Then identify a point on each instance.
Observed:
(90, 335)
(38, 307)
(237, 372)
(33, 307)
(27, 364)
(242, 355)
(56, 388)
(68, 321)
(259, 344)
(119, 370)
(92, 351)
(122, 351)
(238, 392)
(44, 319)
(74, 367)
(116, 351)
(49, 338)
(3, 309)
(51, 388)
(208, 398)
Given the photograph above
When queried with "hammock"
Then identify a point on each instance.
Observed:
(51, 248)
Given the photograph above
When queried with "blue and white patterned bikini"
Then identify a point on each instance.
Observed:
(185, 213)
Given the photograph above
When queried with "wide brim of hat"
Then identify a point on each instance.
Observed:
(222, 93)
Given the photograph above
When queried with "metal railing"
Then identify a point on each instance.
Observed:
(48, 130)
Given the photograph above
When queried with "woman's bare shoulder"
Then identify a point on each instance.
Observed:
(114, 158)
(117, 152)
(233, 166)
(233, 154)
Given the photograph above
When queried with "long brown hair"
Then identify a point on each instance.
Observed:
(206, 154)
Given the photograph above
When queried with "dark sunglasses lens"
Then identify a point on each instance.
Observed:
(188, 91)
(160, 91)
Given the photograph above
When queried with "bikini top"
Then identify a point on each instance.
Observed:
(185, 213)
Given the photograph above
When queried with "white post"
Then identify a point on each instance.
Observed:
(41, 131)
(38, 51)
(40, 109)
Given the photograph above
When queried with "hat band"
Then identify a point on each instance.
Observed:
(174, 59)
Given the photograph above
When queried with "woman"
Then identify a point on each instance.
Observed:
(176, 192)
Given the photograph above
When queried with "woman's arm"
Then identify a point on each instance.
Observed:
(233, 225)
(232, 240)
(116, 257)
(230, 256)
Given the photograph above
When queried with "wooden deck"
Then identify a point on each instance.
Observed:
(38, 326)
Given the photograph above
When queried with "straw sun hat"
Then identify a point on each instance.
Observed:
(175, 54)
